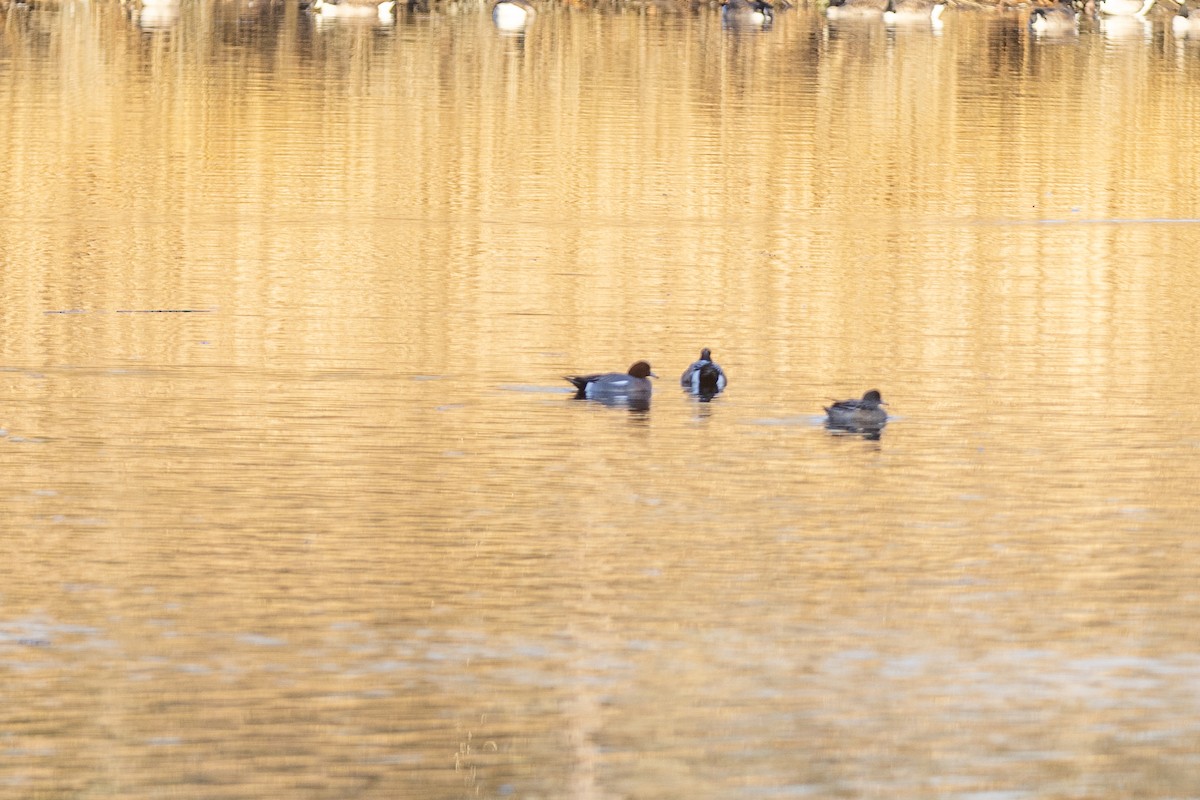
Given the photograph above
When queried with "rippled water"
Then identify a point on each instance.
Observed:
(297, 504)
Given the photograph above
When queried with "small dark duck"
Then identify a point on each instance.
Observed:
(858, 415)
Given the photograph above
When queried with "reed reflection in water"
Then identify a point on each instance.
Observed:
(341, 530)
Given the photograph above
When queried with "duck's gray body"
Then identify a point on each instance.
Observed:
(634, 384)
(863, 414)
(352, 9)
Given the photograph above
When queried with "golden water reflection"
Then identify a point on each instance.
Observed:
(298, 503)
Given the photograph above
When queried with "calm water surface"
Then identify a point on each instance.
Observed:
(297, 504)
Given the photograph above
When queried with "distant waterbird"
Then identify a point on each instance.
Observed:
(633, 385)
(858, 415)
(704, 377)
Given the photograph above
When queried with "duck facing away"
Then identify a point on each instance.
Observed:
(1059, 18)
(512, 15)
(349, 9)
(858, 415)
(704, 377)
(633, 385)
(913, 11)
(747, 13)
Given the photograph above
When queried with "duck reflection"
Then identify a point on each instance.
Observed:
(855, 9)
(354, 10)
(637, 405)
(868, 433)
(1126, 27)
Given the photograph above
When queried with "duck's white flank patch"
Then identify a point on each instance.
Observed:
(509, 16)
